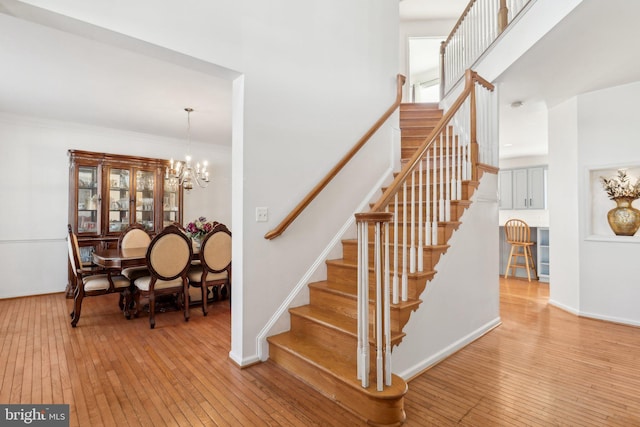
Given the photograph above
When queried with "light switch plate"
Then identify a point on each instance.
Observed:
(262, 214)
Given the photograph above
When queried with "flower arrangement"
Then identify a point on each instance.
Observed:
(199, 228)
(620, 186)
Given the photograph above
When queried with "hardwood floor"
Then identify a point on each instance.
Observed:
(541, 367)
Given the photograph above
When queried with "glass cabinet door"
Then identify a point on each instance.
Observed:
(145, 192)
(119, 199)
(170, 202)
(88, 200)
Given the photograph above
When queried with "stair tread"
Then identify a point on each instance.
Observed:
(343, 263)
(419, 105)
(428, 247)
(417, 202)
(333, 320)
(350, 291)
(341, 367)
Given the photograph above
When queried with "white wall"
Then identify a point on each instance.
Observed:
(35, 196)
(593, 274)
(608, 132)
(315, 76)
(461, 303)
(562, 197)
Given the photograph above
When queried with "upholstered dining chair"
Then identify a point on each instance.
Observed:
(518, 235)
(214, 269)
(88, 283)
(134, 236)
(168, 259)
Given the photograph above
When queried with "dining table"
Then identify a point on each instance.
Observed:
(120, 258)
(114, 260)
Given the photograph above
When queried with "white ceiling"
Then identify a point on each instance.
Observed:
(54, 74)
(595, 47)
(145, 89)
(103, 84)
(419, 10)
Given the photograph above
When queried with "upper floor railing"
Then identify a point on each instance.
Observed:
(479, 26)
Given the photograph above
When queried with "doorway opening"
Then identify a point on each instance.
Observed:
(424, 68)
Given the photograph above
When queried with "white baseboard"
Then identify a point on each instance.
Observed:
(427, 363)
(243, 362)
(596, 316)
(564, 307)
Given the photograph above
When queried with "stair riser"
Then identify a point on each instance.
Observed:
(374, 411)
(415, 141)
(430, 256)
(467, 189)
(422, 130)
(445, 231)
(414, 123)
(348, 275)
(347, 306)
(341, 343)
(420, 114)
(457, 210)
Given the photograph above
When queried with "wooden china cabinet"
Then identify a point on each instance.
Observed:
(108, 192)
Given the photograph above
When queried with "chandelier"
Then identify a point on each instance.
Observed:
(184, 173)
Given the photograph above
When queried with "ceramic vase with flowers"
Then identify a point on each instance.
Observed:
(624, 219)
(197, 229)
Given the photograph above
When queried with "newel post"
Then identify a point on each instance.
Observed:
(473, 123)
(503, 16)
(382, 321)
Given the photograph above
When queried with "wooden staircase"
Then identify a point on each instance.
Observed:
(320, 347)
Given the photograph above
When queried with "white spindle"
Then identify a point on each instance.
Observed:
(405, 279)
(420, 254)
(427, 204)
(378, 275)
(363, 303)
(447, 184)
(434, 211)
(459, 172)
(387, 310)
(412, 225)
(441, 182)
(396, 251)
(454, 159)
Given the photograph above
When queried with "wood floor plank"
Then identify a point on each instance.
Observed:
(541, 367)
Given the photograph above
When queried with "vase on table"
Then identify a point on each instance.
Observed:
(624, 219)
(197, 242)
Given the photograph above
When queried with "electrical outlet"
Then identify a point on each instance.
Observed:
(262, 214)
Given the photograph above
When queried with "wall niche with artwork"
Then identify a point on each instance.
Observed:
(614, 205)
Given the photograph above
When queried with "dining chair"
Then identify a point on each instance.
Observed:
(88, 283)
(518, 235)
(168, 259)
(134, 236)
(214, 269)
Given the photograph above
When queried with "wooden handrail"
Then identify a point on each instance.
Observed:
(459, 22)
(338, 167)
(471, 77)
